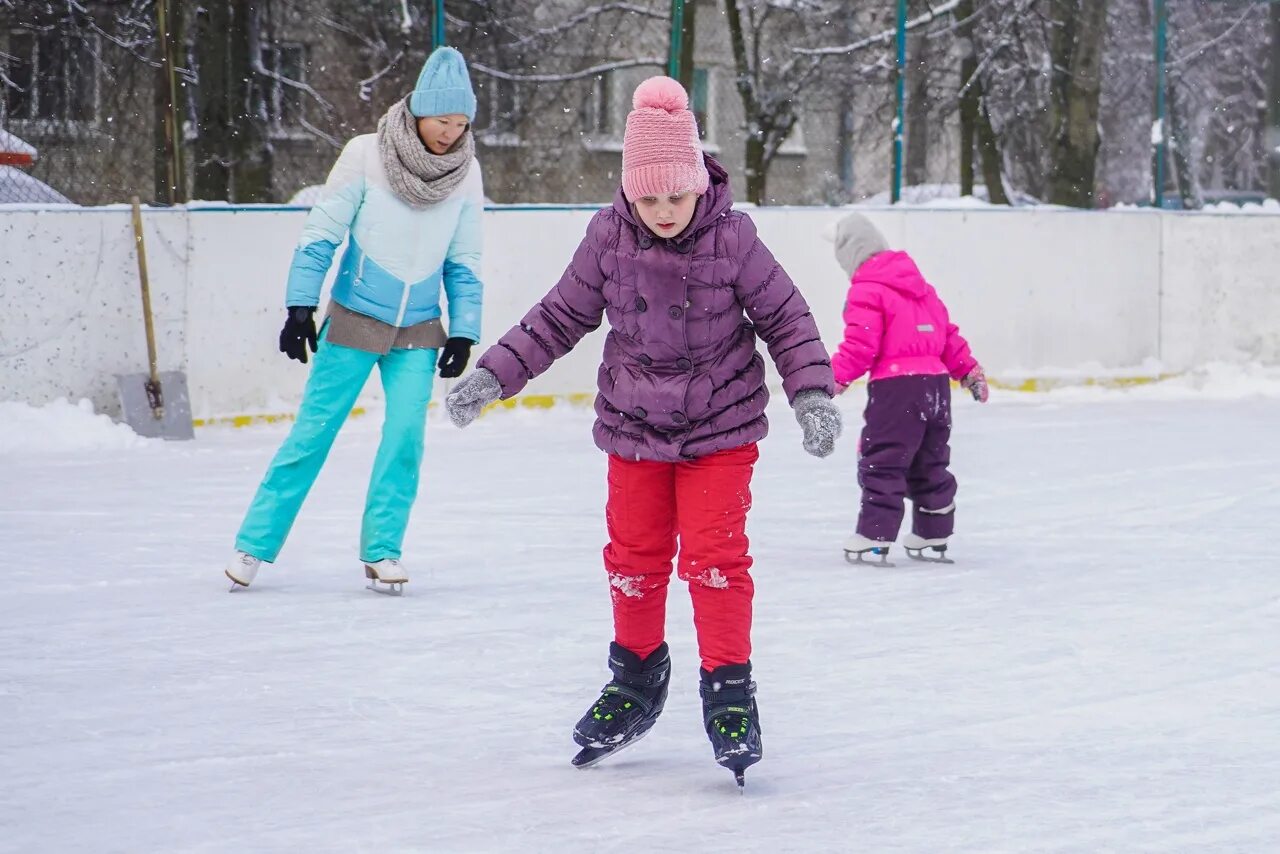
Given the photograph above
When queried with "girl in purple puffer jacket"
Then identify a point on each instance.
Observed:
(686, 286)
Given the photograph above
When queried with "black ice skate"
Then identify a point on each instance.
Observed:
(929, 551)
(732, 718)
(628, 706)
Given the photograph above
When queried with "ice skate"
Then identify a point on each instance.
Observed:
(242, 570)
(858, 548)
(732, 718)
(628, 706)
(917, 546)
(386, 576)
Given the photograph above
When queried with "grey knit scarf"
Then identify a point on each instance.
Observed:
(417, 176)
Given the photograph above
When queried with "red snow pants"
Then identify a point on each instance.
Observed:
(702, 504)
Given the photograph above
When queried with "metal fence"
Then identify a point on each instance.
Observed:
(884, 99)
(75, 112)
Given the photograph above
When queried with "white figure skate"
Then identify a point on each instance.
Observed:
(917, 546)
(242, 570)
(857, 548)
(386, 576)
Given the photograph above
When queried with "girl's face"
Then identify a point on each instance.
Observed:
(439, 133)
(667, 215)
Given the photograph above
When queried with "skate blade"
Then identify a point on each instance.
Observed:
(386, 588)
(236, 584)
(857, 558)
(919, 554)
(738, 763)
(588, 756)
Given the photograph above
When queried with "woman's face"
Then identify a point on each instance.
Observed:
(667, 215)
(439, 133)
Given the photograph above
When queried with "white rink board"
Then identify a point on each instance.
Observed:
(71, 304)
(1037, 292)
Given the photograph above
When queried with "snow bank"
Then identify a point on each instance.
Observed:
(308, 195)
(59, 427)
(947, 197)
(1216, 381)
(1269, 206)
(19, 188)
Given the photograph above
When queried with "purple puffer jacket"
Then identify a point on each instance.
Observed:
(681, 377)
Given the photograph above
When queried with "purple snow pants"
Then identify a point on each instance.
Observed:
(904, 453)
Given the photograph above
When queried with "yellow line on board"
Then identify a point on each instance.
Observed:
(252, 420)
(1036, 384)
(547, 401)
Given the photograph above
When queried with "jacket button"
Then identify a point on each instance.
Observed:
(645, 242)
(641, 305)
(639, 412)
(684, 364)
(646, 361)
(678, 417)
(675, 311)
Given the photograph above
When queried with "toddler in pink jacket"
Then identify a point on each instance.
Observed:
(897, 329)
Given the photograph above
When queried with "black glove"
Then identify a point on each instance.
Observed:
(299, 331)
(453, 361)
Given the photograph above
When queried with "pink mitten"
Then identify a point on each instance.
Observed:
(976, 382)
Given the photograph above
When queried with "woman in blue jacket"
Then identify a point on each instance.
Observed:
(409, 198)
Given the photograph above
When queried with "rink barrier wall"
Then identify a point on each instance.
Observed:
(1046, 297)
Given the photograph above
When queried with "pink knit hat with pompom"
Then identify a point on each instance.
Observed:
(661, 152)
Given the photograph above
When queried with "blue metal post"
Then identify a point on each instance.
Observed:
(1160, 133)
(437, 25)
(899, 98)
(676, 44)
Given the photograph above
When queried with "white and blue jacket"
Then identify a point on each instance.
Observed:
(398, 256)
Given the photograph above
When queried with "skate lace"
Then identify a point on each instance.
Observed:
(247, 560)
(610, 705)
(735, 726)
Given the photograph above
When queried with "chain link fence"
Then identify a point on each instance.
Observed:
(77, 111)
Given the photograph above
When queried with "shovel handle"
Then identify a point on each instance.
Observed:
(146, 291)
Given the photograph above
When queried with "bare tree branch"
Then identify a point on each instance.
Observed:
(586, 15)
(882, 37)
(566, 77)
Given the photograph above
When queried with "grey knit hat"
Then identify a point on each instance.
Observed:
(856, 240)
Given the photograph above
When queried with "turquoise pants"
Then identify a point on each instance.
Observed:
(337, 376)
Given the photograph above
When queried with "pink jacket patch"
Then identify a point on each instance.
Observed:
(896, 325)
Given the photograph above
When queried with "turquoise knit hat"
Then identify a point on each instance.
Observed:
(443, 87)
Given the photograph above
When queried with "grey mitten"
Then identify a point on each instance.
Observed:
(820, 420)
(469, 397)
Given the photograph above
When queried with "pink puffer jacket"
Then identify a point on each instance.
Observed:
(896, 325)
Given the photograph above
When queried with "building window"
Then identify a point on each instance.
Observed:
(497, 111)
(286, 105)
(598, 119)
(51, 76)
(701, 101)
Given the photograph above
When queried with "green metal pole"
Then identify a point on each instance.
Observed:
(437, 26)
(1160, 133)
(676, 44)
(172, 133)
(1273, 108)
(899, 98)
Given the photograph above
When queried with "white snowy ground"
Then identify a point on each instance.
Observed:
(1100, 671)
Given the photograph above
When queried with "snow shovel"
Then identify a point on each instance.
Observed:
(154, 404)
